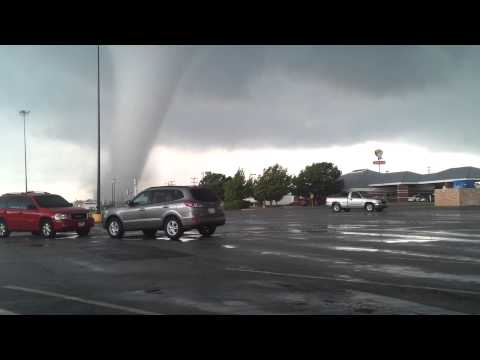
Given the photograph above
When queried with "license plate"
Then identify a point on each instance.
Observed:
(81, 224)
(211, 211)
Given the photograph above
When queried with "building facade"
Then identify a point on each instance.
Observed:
(399, 186)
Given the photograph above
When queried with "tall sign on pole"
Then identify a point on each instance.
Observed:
(379, 161)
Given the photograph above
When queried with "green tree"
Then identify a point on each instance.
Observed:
(319, 179)
(249, 188)
(215, 182)
(235, 187)
(273, 184)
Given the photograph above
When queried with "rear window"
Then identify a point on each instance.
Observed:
(204, 195)
(52, 201)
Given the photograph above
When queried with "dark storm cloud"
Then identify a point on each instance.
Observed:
(244, 96)
(310, 96)
(374, 70)
(56, 83)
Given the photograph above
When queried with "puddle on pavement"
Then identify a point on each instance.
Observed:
(348, 248)
(36, 245)
(254, 228)
(418, 273)
(407, 253)
(154, 291)
(402, 238)
(229, 246)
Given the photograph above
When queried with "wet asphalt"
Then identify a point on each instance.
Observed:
(404, 260)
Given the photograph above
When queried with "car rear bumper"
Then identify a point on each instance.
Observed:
(194, 222)
(72, 225)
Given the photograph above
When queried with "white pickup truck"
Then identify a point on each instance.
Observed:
(355, 200)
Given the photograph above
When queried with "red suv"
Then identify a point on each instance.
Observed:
(41, 214)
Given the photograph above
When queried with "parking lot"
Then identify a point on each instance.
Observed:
(405, 260)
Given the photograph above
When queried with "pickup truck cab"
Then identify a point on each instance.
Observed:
(355, 200)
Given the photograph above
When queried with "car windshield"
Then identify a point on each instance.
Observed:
(204, 195)
(52, 201)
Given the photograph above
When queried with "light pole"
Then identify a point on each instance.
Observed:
(24, 113)
(99, 205)
(113, 191)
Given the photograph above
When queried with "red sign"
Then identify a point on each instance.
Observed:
(379, 162)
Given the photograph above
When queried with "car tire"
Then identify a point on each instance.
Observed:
(336, 207)
(4, 232)
(115, 228)
(369, 207)
(83, 232)
(46, 229)
(173, 228)
(207, 230)
(149, 233)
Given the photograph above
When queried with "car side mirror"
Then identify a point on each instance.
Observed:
(130, 203)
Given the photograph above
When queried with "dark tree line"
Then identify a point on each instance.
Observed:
(317, 180)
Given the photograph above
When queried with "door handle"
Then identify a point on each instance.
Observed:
(165, 207)
(142, 209)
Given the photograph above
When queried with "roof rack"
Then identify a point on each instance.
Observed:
(28, 192)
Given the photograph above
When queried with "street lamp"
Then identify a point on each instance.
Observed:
(99, 205)
(24, 113)
(113, 191)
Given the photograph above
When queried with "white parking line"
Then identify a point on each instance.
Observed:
(357, 281)
(85, 301)
(6, 312)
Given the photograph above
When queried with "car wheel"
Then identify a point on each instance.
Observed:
(4, 232)
(83, 232)
(173, 228)
(149, 233)
(46, 229)
(115, 228)
(369, 207)
(207, 230)
(336, 207)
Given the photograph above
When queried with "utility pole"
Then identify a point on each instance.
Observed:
(134, 186)
(24, 113)
(99, 205)
(113, 191)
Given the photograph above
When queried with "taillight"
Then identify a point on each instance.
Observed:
(193, 204)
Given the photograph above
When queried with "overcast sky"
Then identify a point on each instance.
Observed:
(171, 112)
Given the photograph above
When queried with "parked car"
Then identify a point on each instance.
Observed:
(351, 200)
(418, 197)
(173, 209)
(41, 213)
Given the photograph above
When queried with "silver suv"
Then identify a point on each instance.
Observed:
(173, 209)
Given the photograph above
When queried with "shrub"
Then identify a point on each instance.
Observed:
(236, 205)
